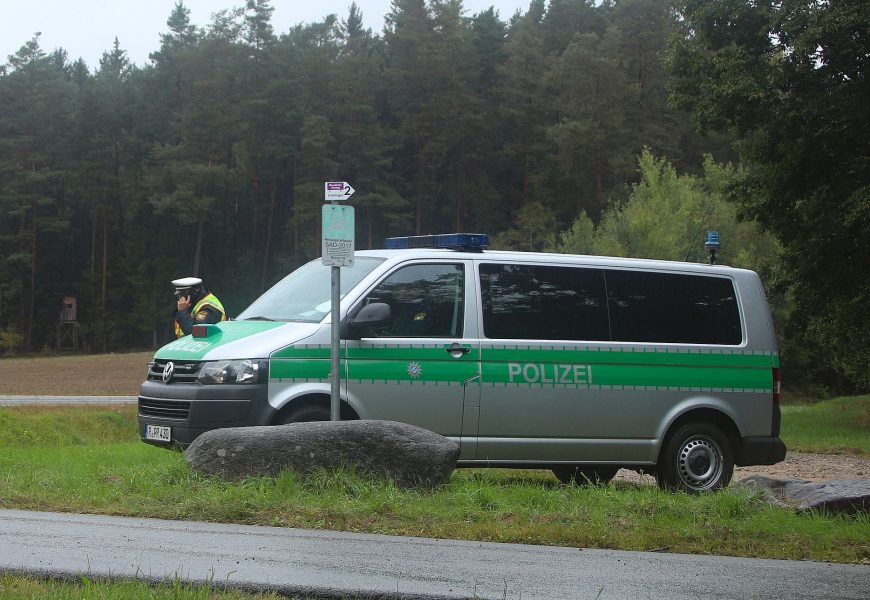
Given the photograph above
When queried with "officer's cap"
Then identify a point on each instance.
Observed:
(186, 283)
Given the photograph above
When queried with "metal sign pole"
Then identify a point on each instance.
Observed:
(334, 405)
(337, 246)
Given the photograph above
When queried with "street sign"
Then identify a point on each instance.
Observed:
(337, 247)
(337, 190)
(338, 235)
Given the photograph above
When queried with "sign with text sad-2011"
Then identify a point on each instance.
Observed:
(338, 235)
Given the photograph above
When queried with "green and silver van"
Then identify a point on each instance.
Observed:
(579, 364)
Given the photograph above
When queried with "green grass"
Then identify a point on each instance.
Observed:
(22, 587)
(837, 426)
(75, 459)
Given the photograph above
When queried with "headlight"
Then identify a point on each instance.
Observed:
(234, 371)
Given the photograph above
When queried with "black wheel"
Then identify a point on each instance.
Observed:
(598, 475)
(697, 457)
(310, 412)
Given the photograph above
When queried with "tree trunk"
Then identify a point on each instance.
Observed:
(289, 217)
(31, 308)
(460, 186)
(295, 253)
(93, 272)
(418, 221)
(599, 192)
(527, 148)
(197, 252)
(118, 196)
(418, 190)
(267, 244)
(255, 193)
(103, 294)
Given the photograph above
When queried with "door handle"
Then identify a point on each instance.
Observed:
(456, 350)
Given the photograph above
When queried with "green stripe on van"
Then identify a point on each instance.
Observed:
(304, 351)
(628, 356)
(282, 368)
(540, 366)
(435, 371)
(654, 369)
(635, 376)
(395, 352)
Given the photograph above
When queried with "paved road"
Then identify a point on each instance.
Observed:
(18, 400)
(336, 565)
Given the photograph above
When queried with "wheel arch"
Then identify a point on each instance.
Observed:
(703, 414)
(314, 399)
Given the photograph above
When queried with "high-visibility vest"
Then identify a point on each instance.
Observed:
(208, 300)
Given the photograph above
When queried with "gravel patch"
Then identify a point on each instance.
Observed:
(796, 466)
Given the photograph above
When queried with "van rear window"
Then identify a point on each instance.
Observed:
(522, 301)
(670, 307)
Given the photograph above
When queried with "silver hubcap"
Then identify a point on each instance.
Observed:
(700, 463)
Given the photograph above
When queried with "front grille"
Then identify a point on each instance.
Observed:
(165, 409)
(182, 371)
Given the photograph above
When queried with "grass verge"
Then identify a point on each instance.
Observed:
(837, 426)
(23, 587)
(76, 459)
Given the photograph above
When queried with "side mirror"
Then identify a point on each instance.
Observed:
(366, 321)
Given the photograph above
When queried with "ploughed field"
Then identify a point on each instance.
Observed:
(74, 375)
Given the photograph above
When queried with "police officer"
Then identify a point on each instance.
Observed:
(195, 304)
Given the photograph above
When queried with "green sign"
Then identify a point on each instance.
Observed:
(338, 235)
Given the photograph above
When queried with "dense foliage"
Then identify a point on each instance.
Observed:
(790, 77)
(210, 160)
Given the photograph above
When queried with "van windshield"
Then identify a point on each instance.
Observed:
(305, 294)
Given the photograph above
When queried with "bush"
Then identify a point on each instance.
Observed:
(10, 341)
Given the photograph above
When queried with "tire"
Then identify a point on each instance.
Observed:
(310, 412)
(599, 475)
(697, 457)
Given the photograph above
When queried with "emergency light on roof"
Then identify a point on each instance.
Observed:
(469, 242)
(712, 240)
(712, 245)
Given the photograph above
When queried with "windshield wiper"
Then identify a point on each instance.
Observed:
(261, 318)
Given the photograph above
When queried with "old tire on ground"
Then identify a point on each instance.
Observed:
(598, 475)
(697, 457)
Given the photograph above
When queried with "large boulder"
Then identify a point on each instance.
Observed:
(408, 455)
(850, 496)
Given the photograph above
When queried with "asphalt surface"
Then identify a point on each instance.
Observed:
(18, 400)
(326, 564)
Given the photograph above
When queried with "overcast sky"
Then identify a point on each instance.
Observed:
(87, 28)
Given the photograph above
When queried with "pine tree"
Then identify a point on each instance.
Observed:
(363, 146)
(525, 107)
(38, 103)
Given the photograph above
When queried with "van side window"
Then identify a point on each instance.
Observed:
(667, 307)
(543, 302)
(426, 300)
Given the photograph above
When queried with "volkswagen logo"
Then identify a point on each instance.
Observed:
(167, 371)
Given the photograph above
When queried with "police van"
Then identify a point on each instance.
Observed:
(578, 364)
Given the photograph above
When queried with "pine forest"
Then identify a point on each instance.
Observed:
(616, 127)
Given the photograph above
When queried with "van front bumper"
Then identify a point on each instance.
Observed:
(190, 410)
(763, 450)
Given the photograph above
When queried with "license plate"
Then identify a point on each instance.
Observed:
(158, 433)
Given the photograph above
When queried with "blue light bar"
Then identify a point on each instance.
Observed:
(469, 242)
(712, 242)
